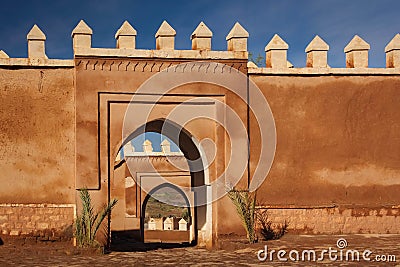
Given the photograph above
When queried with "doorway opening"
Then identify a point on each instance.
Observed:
(159, 214)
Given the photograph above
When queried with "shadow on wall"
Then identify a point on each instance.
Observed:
(1, 242)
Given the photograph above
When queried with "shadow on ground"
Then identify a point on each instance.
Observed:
(129, 241)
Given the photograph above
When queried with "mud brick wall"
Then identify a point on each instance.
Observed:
(37, 220)
(338, 220)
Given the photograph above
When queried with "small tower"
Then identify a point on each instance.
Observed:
(357, 53)
(152, 224)
(317, 53)
(237, 38)
(165, 37)
(166, 146)
(276, 53)
(126, 36)
(201, 37)
(182, 225)
(169, 224)
(82, 35)
(36, 43)
(147, 146)
(392, 51)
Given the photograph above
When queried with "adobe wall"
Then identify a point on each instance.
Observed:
(37, 147)
(42, 222)
(337, 140)
(336, 165)
(338, 220)
(338, 144)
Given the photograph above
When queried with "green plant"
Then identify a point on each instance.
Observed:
(185, 214)
(245, 203)
(259, 60)
(88, 222)
(267, 231)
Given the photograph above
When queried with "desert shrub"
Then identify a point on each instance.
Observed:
(266, 230)
(245, 203)
(89, 222)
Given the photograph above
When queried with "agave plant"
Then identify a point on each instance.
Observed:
(89, 222)
(245, 204)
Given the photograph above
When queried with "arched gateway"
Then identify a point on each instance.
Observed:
(106, 185)
(147, 172)
(190, 103)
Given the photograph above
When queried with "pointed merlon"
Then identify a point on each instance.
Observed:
(147, 146)
(317, 44)
(165, 146)
(276, 43)
(357, 53)
(237, 38)
(394, 44)
(3, 54)
(237, 31)
(276, 53)
(36, 43)
(165, 142)
(356, 44)
(201, 37)
(165, 37)
(82, 36)
(251, 65)
(129, 148)
(36, 34)
(317, 53)
(147, 142)
(392, 51)
(126, 36)
(202, 31)
(165, 30)
(82, 28)
(126, 29)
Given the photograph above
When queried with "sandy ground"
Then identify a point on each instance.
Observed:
(233, 252)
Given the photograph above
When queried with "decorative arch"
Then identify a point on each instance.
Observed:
(182, 138)
(188, 146)
(154, 190)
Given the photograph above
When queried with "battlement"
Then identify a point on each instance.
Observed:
(148, 150)
(165, 43)
(276, 60)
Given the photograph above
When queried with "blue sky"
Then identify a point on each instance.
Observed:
(155, 139)
(297, 22)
